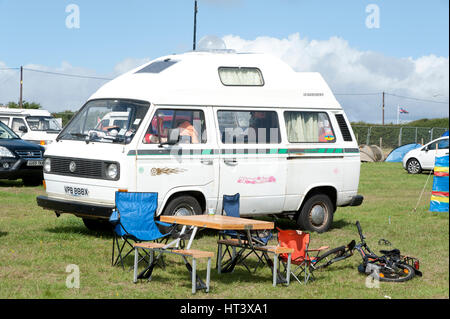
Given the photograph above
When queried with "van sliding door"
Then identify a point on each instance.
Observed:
(250, 160)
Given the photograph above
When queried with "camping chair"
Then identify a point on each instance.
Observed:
(301, 257)
(231, 207)
(133, 220)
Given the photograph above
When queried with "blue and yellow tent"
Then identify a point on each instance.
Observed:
(439, 195)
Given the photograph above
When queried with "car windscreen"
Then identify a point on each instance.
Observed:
(43, 123)
(97, 121)
(6, 133)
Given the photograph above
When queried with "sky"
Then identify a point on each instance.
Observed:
(361, 47)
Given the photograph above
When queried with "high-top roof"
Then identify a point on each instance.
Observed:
(193, 79)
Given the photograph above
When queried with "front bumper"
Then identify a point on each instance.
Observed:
(83, 210)
(17, 168)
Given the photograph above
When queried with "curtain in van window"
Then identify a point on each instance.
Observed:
(302, 127)
(241, 76)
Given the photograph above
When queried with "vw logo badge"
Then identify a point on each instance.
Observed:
(72, 167)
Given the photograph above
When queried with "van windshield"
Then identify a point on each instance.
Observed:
(43, 123)
(106, 121)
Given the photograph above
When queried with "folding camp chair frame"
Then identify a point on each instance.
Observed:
(305, 267)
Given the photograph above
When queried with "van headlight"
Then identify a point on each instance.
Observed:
(47, 165)
(112, 171)
(4, 152)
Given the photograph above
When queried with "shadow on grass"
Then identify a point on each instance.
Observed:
(81, 230)
(2, 233)
(8, 183)
(15, 184)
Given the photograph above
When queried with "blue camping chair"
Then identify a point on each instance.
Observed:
(133, 220)
(231, 207)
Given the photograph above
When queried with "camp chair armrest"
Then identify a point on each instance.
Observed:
(319, 249)
(163, 224)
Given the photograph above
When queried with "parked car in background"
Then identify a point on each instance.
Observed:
(20, 159)
(36, 126)
(421, 159)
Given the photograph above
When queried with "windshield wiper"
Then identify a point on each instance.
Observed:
(73, 134)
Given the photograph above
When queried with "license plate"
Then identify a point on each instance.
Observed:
(76, 191)
(35, 163)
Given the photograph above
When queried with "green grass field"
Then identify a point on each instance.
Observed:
(36, 247)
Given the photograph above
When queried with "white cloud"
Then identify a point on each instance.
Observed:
(346, 69)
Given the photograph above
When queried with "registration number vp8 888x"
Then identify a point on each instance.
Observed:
(76, 191)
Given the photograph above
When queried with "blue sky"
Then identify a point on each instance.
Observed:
(110, 31)
(35, 32)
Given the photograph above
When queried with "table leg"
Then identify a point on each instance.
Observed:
(136, 257)
(288, 270)
(193, 273)
(275, 270)
(219, 259)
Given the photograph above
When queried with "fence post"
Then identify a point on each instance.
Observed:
(368, 135)
(415, 138)
(400, 137)
(431, 132)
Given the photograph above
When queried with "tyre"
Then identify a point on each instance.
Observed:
(403, 273)
(328, 257)
(413, 166)
(181, 206)
(97, 225)
(316, 214)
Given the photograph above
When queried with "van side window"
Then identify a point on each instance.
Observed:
(4, 120)
(17, 123)
(249, 127)
(308, 127)
(191, 124)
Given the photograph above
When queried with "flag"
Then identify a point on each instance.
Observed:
(403, 111)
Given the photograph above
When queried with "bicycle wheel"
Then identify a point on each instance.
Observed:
(329, 257)
(403, 273)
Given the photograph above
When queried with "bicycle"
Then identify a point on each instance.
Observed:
(391, 267)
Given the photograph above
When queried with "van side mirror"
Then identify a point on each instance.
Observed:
(23, 129)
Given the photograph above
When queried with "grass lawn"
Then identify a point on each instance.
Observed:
(36, 247)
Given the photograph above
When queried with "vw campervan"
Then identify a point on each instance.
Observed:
(36, 126)
(203, 124)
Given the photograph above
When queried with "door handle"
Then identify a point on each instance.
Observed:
(231, 162)
(206, 162)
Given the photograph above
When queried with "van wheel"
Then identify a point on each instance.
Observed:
(413, 166)
(316, 214)
(181, 206)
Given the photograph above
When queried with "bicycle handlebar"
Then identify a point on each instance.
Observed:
(360, 231)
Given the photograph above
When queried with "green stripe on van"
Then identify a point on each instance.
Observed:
(245, 151)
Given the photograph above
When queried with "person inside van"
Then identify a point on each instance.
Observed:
(187, 129)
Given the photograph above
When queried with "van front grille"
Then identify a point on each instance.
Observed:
(82, 168)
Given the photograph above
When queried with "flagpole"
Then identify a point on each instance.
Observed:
(398, 114)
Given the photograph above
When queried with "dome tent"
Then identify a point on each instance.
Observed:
(372, 153)
(397, 154)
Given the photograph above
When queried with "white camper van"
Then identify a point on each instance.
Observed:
(37, 126)
(200, 125)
